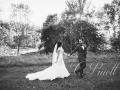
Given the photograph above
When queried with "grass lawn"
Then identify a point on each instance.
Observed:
(102, 73)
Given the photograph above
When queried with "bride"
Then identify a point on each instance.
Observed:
(57, 70)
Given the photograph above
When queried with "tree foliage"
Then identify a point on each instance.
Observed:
(54, 33)
(113, 11)
(4, 32)
(50, 35)
(50, 20)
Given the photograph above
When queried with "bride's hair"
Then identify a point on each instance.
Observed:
(59, 44)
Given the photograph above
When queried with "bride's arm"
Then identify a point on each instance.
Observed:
(58, 51)
(65, 54)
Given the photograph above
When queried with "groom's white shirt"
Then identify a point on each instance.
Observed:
(83, 47)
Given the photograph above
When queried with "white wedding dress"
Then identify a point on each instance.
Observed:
(57, 70)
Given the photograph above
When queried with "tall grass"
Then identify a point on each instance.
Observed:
(13, 70)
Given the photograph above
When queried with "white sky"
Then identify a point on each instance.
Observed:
(41, 8)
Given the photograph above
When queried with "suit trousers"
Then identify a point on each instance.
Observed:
(82, 65)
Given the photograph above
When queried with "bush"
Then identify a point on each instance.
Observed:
(50, 36)
(53, 33)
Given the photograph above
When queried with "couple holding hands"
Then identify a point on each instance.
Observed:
(58, 68)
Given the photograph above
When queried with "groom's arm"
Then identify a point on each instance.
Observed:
(74, 50)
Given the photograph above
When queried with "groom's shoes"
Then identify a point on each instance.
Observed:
(81, 76)
(76, 73)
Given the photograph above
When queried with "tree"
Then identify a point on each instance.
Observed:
(116, 5)
(50, 20)
(113, 11)
(54, 33)
(71, 29)
(67, 21)
(77, 7)
(4, 35)
(20, 12)
(50, 35)
(70, 16)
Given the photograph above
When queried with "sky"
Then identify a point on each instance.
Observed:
(41, 8)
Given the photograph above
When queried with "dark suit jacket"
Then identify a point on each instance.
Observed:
(81, 53)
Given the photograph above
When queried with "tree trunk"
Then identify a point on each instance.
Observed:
(26, 39)
(71, 44)
(18, 47)
(34, 42)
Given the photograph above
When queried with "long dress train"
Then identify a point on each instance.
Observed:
(57, 70)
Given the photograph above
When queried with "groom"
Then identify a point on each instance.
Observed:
(82, 52)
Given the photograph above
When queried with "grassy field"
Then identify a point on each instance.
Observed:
(102, 73)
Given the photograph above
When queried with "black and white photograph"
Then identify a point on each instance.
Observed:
(59, 44)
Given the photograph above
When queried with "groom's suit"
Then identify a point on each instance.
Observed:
(82, 52)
